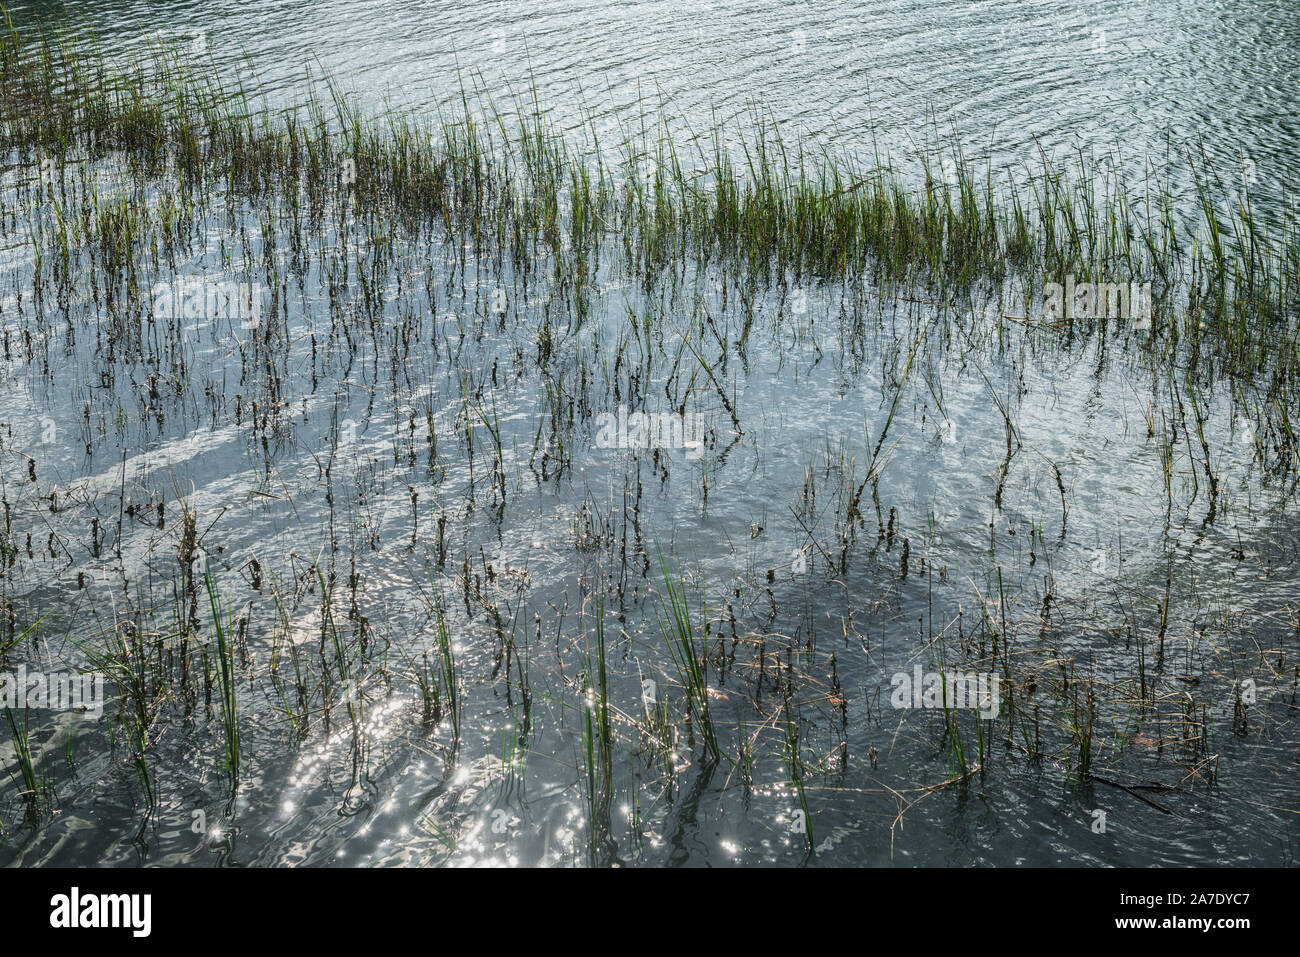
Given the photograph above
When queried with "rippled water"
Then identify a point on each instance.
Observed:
(965, 532)
(1139, 82)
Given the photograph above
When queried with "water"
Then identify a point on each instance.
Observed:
(969, 545)
(1142, 85)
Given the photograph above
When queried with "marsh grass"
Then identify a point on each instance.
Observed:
(689, 657)
(785, 208)
(597, 732)
(32, 788)
(795, 767)
(714, 238)
(439, 682)
(221, 627)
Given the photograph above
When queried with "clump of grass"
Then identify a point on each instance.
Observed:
(1081, 724)
(688, 657)
(221, 626)
(597, 733)
(438, 682)
(795, 767)
(32, 789)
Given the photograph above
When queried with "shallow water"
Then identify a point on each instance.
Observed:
(1137, 85)
(811, 612)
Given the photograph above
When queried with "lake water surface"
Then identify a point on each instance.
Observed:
(1022, 517)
